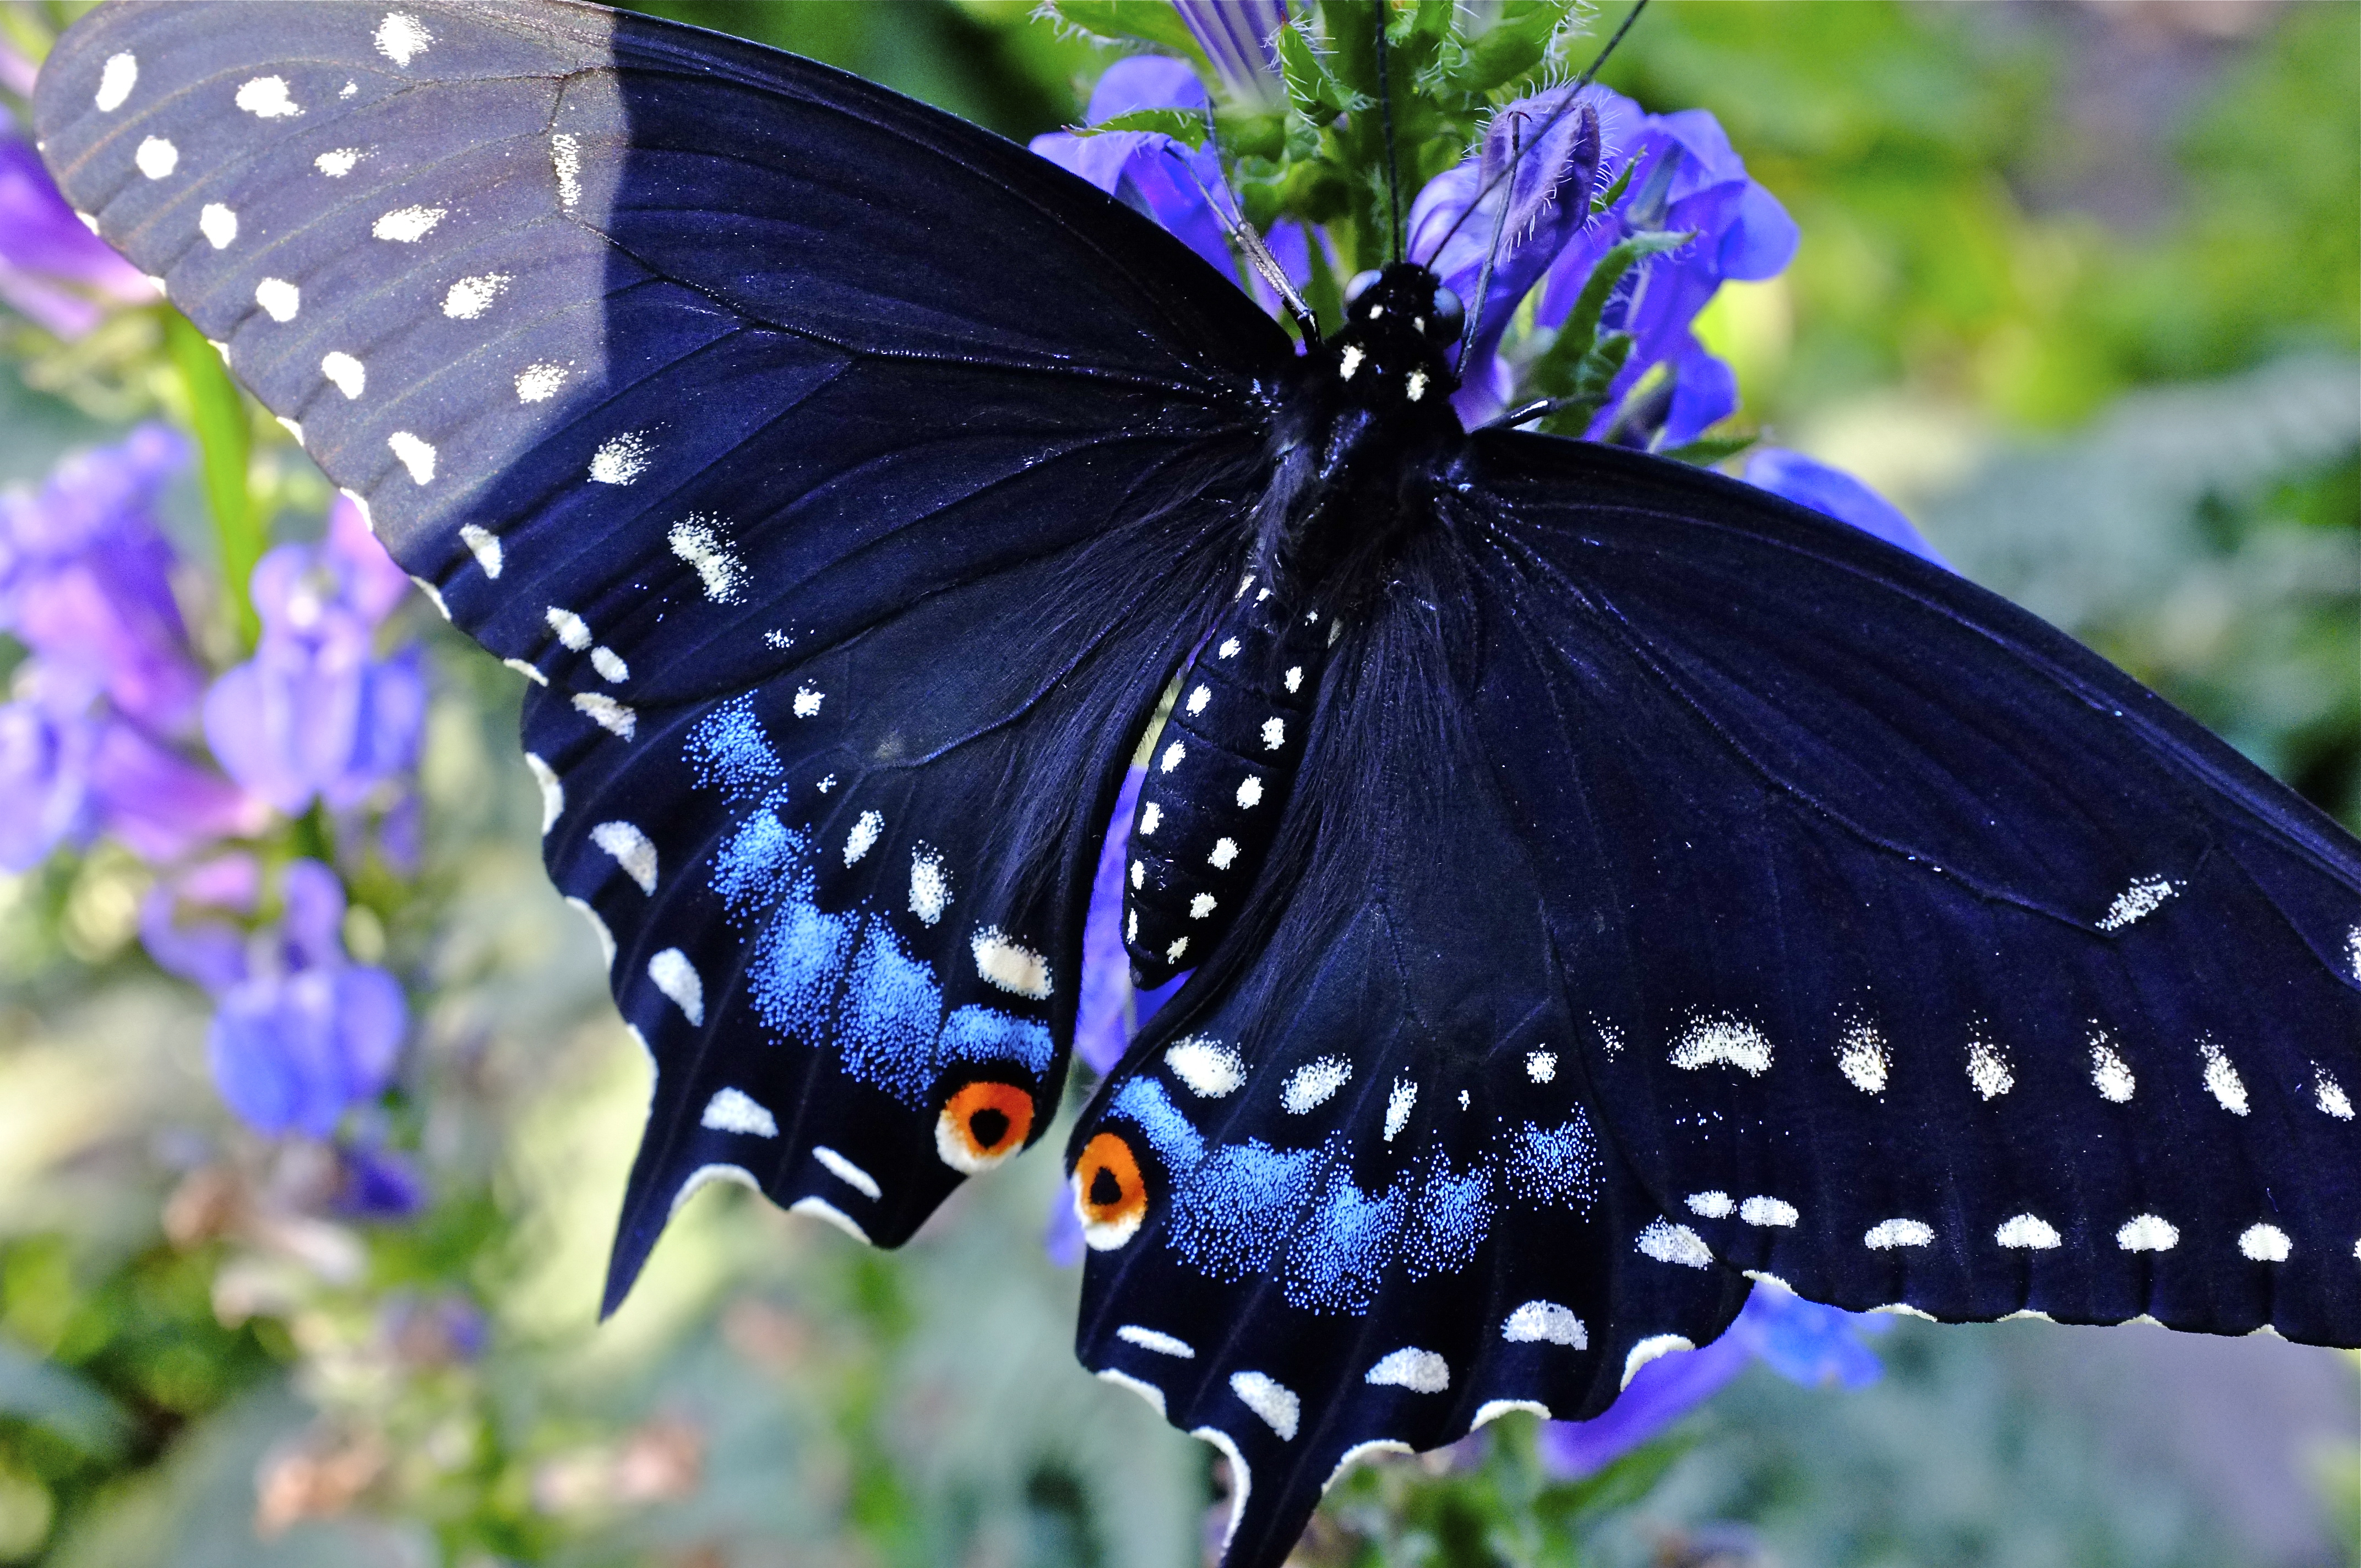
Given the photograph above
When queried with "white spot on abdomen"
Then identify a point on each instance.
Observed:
(1722, 1042)
(2028, 1232)
(931, 885)
(697, 540)
(2147, 1233)
(1419, 1371)
(416, 456)
(1209, 1068)
(218, 224)
(403, 37)
(2265, 1244)
(1314, 1083)
(735, 1111)
(343, 372)
(407, 225)
(2143, 898)
(266, 98)
(1009, 964)
(1545, 1323)
(337, 163)
(676, 978)
(157, 157)
(631, 849)
(280, 299)
(471, 296)
(1400, 1101)
(620, 459)
(1272, 1401)
(116, 80)
(1887, 1235)
(865, 835)
(1668, 1243)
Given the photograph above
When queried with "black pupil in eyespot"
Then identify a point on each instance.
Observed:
(988, 1127)
(1106, 1191)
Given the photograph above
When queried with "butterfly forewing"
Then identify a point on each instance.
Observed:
(845, 561)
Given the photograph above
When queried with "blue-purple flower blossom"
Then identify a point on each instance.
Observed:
(52, 268)
(1150, 169)
(1236, 38)
(1802, 1341)
(1839, 494)
(315, 713)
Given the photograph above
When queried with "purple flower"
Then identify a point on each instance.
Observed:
(193, 922)
(1236, 38)
(1802, 1341)
(305, 1035)
(44, 780)
(314, 712)
(1110, 1011)
(1148, 168)
(1536, 210)
(52, 268)
(158, 803)
(378, 1184)
(1839, 494)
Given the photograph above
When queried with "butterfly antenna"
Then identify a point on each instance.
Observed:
(1386, 116)
(1484, 278)
(1258, 254)
(1565, 106)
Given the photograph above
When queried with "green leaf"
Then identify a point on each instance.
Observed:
(1707, 450)
(1182, 124)
(1310, 87)
(1260, 133)
(1142, 21)
(1517, 42)
(1582, 321)
(218, 417)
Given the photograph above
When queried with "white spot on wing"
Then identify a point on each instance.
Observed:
(1155, 1340)
(676, 978)
(280, 299)
(808, 701)
(610, 666)
(566, 162)
(2109, 1071)
(539, 383)
(1714, 1205)
(529, 671)
(337, 163)
(703, 1176)
(1179, 946)
(1314, 1083)
(697, 540)
(484, 545)
(2147, 1233)
(1224, 855)
(1009, 964)
(1887, 1235)
(157, 157)
(266, 98)
(1400, 1101)
(571, 629)
(1722, 1042)
(1769, 1212)
(1294, 678)
(608, 714)
(1151, 817)
(821, 1209)
(1249, 793)
(2329, 1095)
(1269, 1398)
(408, 225)
(844, 1170)
(620, 459)
(552, 791)
(2143, 898)
(735, 1111)
(1348, 362)
(1648, 1350)
(403, 37)
(1668, 1243)
(1202, 906)
(1541, 1066)
(218, 224)
(1228, 649)
(1209, 1068)
(1198, 699)
(2265, 1244)
(416, 456)
(469, 298)
(116, 80)
(1274, 734)
(346, 374)
(1148, 1391)
(1545, 1323)
(631, 850)
(1174, 755)
(1863, 1057)
(1374, 1447)
(1988, 1069)
(2221, 1080)
(435, 597)
(2028, 1232)
(931, 885)
(598, 929)
(865, 835)
(1419, 1371)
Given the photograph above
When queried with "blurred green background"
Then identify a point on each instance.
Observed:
(2079, 287)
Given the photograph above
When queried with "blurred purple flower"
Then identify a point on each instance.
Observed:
(193, 922)
(1802, 1341)
(1063, 1239)
(160, 804)
(52, 268)
(1236, 38)
(44, 780)
(1110, 1011)
(1148, 169)
(314, 712)
(377, 1183)
(1685, 178)
(1537, 210)
(304, 1034)
(1839, 494)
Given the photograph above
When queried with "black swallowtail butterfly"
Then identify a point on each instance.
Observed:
(1606, 884)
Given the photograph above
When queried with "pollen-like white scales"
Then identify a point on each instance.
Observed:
(698, 539)
(566, 162)
(1863, 1057)
(1988, 1069)
(2029, 1233)
(2221, 1080)
(337, 163)
(808, 701)
(620, 459)
(1545, 1323)
(1722, 1042)
(1541, 1066)
(1209, 1068)
(931, 885)
(1714, 1205)
(1887, 1235)
(2265, 1244)
(1769, 1212)
(1314, 1083)
(2328, 1095)
(2109, 1072)
(403, 37)
(1009, 964)
(2147, 1233)
(1419, 1371)
(2143, 898)
(864, 837)
(539, 383)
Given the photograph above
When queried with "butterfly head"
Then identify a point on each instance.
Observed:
(1395, 348)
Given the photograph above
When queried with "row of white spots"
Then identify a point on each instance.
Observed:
(2144, 897)
(1314, 1085)
(218, 224)
(156, 158)
(116, 80)
(1722, 1042)
(566, 162)
(403, 37)
(408, 225)
(1755, 1210)
(539, 383)
(337, 163)
(267, 98)
(631, 849)
(2029, 1233)
(485, 546)
(1010, 965)
(471, 296)
(620, 459)
(844, 1170)
(2109, 1072)
(697, 540)
(677, 979)
(343, 372)
(1400, 1100)
(1541, 1066)
(931, 885)
(735, 1111)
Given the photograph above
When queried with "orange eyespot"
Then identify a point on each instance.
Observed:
(1109, 1193)
(982, 1124)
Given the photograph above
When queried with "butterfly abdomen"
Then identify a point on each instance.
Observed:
(1218, 778)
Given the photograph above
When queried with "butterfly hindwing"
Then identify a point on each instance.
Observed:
(845, 478)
